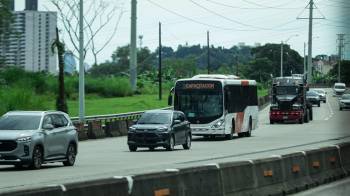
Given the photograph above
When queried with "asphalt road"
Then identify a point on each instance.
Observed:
(111, 157)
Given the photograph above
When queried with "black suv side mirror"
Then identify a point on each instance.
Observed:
(177, 122)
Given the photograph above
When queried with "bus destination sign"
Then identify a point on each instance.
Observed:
(198, 85)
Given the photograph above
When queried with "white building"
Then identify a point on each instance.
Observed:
(29, 43)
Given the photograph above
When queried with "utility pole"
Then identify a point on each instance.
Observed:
(208, 52)
(309, 67)
(237, 65)
(341, 45)
(81, 64)
(281, 59)
(304, 59)
(310, 18)
(160, 62)
(133, 49)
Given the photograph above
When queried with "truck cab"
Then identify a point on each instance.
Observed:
(289, 101)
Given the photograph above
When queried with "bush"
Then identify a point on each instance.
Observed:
(19, 98)
(108, 87)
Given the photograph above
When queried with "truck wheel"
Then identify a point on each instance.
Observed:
(319, 104)
(271, 122)
(301, 120)
(310, 114)
(307, 116)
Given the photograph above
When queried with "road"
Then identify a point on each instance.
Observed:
(111, 157)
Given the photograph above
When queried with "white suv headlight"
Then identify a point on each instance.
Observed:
(24, 139)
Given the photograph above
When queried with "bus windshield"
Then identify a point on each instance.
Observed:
(201, 101)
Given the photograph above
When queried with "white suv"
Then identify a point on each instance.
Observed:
(35, 138)
(339, 88)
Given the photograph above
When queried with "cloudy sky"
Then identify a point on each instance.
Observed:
(229, 22)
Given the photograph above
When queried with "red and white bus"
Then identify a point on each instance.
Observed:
(218, 105)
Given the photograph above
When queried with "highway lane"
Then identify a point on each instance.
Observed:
(111, 157)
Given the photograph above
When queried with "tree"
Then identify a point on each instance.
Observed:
(61, 103)
(97, 16)
(259, 69)
(292, 60)
(344, 72)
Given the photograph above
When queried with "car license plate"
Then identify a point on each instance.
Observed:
(285, 117)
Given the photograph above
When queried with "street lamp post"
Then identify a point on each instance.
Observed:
(296, 35)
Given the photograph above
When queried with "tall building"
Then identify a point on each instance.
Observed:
(31, 5)
(29, 43)
(12, 5)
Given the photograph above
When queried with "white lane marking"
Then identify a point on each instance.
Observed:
(172, 170)
(331, 113)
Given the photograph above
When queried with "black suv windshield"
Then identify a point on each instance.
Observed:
(19, 122)
(155, 118)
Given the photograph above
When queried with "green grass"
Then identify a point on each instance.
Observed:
(99, 106)
(263, 92)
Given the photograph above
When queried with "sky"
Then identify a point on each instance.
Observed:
(228, 21)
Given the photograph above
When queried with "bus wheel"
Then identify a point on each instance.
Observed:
(229, 136)
(249, 132)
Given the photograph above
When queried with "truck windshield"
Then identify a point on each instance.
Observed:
(286, 90)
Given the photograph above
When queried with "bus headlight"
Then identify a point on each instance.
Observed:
(218, 124)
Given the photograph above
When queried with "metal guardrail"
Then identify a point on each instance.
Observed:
(121, 116)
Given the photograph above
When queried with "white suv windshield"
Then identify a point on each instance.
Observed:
(19, 122)
(339, 87)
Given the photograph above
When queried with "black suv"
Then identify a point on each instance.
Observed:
(160, 128)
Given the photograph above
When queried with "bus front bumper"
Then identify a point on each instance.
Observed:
(207, 131)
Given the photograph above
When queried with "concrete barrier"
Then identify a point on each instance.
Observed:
(269, 175)
(202, 180)
(316, 166)
(101, 187)
(296, 173)
(238, 178)
(332, 163)
(165, 183)
(116, 128)
(82, 133)
(43, 191)
(95, 130)
(344, 151)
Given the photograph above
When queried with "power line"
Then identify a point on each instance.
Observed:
(248, 8)
(224, 17)
(269, 7)
(196, 21)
